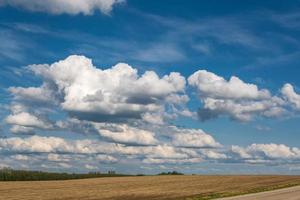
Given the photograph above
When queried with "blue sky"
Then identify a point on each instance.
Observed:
(222, 94)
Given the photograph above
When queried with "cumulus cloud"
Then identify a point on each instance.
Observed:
(291, 96)
(213, 154)
(34, 95)
(195, 138)
(242, 110)
(268, 153)
(40, 144)
(234, 98)
(122, 94)
(211, 85)
(122, 133)
(35, 144)
(191, 158)
(60, 150)
(106, 150)
(114, 94)
(24, 119)
(86, 7)
(131, 113)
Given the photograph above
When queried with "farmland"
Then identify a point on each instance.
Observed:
(143, 187)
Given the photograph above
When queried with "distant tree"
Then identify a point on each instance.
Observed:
(171, 173)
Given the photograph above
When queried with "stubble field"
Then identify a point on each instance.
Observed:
(143, 187)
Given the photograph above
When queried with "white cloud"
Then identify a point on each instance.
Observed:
(114, 94)
(212, 154)
(267, 152)
(73, 7)
(129, 110)
(24, 119)
(154, 118)
(164, 151)
(242, 110)
(61, 150)
(43, 94)
(289, 93)
(55, 146)
(35, 144)
(274, 151)
(122, 133)
(241, 152)
(234, 98)
(191, 157)
(39, 144)
(211, 85)
(195, 138)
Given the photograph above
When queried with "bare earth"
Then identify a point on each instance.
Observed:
(292, 193)
(143, 187)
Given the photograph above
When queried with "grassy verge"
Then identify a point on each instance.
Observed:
(208, 196)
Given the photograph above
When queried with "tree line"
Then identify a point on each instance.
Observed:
(8, 174)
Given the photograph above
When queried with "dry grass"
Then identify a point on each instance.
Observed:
(144, 187)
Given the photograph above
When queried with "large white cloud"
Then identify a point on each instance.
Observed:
(242, 110)
(73, 7)
(234, 98)
(114, 94)
(267, 153)
(120, 94)
(211, 85)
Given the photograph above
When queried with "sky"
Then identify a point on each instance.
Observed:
(136, 86)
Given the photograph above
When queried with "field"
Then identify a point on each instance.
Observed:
(143, 187)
